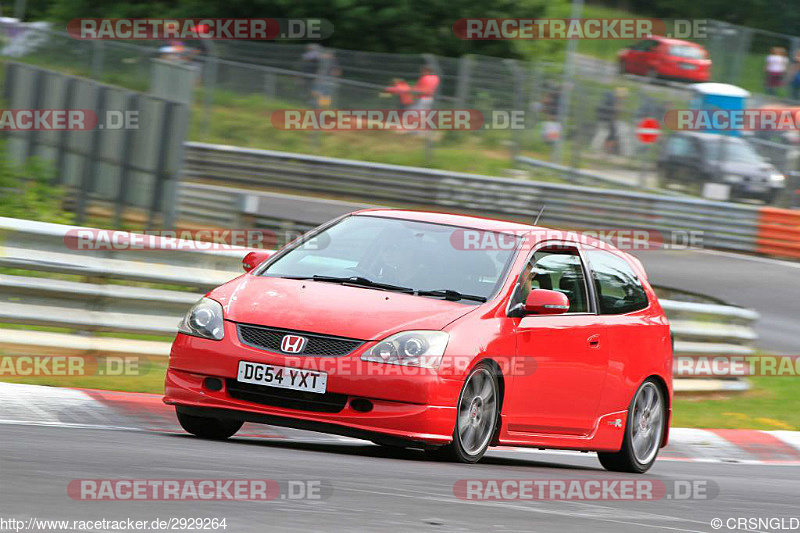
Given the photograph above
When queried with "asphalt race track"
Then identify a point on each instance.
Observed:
(767, 285)
(373, 489)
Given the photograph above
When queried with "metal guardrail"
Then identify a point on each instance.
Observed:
(723, 225)
(588, 176)
(96, 301)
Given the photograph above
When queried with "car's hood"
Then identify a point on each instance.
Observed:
(748, 169)
(331, 308)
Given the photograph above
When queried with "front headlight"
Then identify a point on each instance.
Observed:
(777, 177)
(410, 348)
(204, 320)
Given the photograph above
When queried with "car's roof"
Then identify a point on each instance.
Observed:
(707, 136)
(670, 40)
(488, 224)
(451, 219)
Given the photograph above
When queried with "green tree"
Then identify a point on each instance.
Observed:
(395, 26)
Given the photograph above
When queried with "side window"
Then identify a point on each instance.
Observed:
(618, 288)
(679, 147)
(649, 46)
(561, 270)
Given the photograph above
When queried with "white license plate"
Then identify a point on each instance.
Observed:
(283, 377)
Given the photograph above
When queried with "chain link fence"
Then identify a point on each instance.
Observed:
(596, 134)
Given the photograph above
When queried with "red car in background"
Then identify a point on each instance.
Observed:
(660, 57)
(443, 332)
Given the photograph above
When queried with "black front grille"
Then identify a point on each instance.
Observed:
(328, 402)
(270, 339)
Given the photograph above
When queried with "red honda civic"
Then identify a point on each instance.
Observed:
(660, 57)
(443, 332)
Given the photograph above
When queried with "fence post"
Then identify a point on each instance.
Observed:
(131, 103)
(270, 85)
(463, 81)
(743, 41)
(518, 79)
(63, 137)
(209, 80)
(98, 51)
(38, 103)
(89, 179)
(430, 61)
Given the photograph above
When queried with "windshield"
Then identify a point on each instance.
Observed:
(730, 150)
(687, 52)
(400, 253)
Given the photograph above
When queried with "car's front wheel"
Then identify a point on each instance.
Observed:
(476, 417)
(644, 432)
(208, 428)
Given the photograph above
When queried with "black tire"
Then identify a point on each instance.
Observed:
(208, 428)
(627, 459)
(664, 180)
(459, 450)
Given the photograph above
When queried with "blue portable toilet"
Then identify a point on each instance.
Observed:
(713, 96)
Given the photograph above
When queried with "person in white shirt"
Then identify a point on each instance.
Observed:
(775, 69)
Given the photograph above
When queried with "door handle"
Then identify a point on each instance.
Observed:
(594, 341)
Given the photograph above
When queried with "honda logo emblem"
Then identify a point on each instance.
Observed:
(293, 343)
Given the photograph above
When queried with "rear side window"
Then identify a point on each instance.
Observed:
(678, 146)
(687, 52)
(618, 288)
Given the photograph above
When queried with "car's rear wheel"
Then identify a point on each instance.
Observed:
(476, 417)
(208, 428)
(644, 432)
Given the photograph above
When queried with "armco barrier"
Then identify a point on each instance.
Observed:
(723, 225)
(95, 300)
(778, 232)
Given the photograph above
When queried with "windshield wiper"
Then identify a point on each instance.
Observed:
(363, 282)
(453, 296)
(360, 281)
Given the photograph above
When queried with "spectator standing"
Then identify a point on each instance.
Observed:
(775, 69)
(402, 90)
(794, 77)
(325, 80)
(309, 66)
(425, 89)
(607, 116)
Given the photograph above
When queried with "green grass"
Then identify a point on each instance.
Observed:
(114, 334)
(771, 404)
(151, 380)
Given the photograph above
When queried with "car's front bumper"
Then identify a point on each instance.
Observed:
(407, 403)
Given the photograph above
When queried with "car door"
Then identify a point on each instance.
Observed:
(640, 56)
(651, 57)
(567, 352)
(681, 159)
(635, 331)
(633, 58)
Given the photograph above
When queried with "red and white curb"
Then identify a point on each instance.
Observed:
(109, 410)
